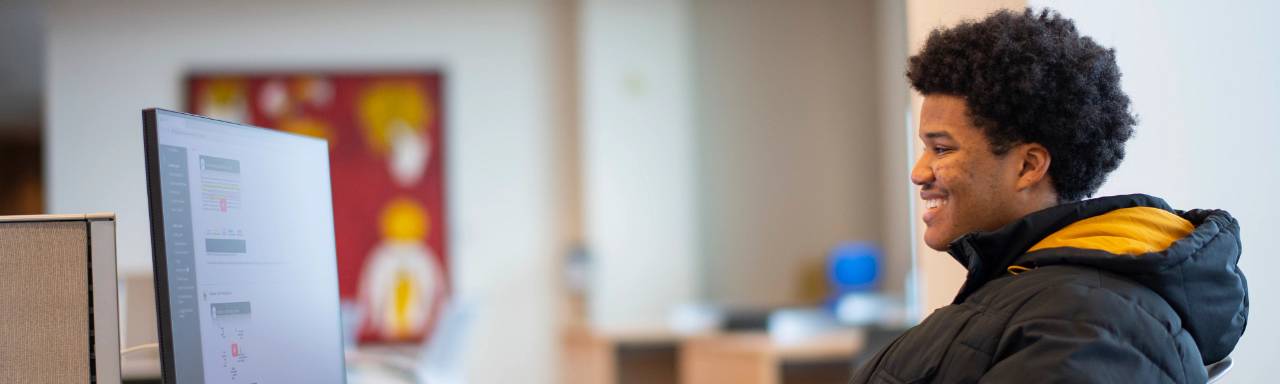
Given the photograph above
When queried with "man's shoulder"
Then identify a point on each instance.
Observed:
(1085, 294)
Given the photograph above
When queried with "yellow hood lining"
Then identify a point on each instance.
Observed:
(1126, 231)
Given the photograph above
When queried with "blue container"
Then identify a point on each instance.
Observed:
(853, 267)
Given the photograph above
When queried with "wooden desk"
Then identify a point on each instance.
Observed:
(591, 357)
(754, 358)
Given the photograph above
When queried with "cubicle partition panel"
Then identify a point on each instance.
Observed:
(58, 314)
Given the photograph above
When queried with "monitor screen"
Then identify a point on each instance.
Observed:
(243, 250)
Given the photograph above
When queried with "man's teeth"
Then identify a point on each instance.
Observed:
(934, 203)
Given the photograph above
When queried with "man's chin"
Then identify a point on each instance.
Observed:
(936, 242)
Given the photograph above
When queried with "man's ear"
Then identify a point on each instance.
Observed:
(1035, 165)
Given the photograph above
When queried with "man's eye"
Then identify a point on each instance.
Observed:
(940, 149)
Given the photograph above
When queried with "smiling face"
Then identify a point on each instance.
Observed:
(967, 187)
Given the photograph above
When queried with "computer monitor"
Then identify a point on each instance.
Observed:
(243, 250)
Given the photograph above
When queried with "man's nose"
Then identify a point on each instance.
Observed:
(921, 174)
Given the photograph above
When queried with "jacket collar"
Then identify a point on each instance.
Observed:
(987, 255)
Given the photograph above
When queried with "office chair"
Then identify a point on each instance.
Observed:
(1218, 370)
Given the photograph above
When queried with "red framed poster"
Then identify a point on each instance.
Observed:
(386, 158)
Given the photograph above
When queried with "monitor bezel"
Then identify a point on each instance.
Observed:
(159, 266)
(159, 257)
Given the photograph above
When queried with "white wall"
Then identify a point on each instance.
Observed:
(638, 159)
(1203, 79)
(788, 151)
(896, 142)
(507, 96)
(729, 144)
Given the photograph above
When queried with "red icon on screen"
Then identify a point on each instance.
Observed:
(235, 350)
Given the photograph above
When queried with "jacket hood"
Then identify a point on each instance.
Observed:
(1188, 258)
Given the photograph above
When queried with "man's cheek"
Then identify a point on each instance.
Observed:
(945, 173)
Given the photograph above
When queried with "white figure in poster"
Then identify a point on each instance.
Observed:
(402, 282)
(400, 287)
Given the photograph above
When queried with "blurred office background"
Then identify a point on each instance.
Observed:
(621, 170)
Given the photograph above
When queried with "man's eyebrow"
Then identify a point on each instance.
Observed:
(937, 135)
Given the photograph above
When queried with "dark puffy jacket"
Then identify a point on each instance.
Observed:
(1119, 289)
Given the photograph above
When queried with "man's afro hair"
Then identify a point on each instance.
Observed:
(1030, 77)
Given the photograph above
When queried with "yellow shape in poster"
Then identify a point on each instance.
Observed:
(225, 91)
(404, 220)
(404, 296)
(388, 103)
(309, 127)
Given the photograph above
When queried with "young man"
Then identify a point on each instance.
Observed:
(1022, 119)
